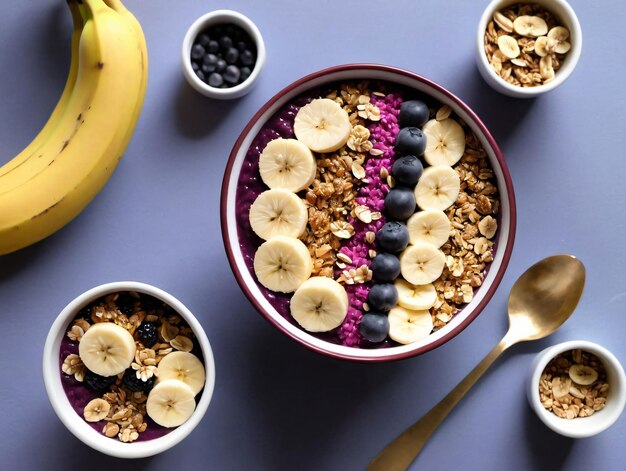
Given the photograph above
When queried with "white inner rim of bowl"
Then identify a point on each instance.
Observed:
(248, 278)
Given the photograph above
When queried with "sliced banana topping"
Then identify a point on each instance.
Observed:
(185, 367)
(560, 387)
(503, 22)
(287, 164)
(107, 349)
(488, 226)
(422, 263)
(560, 35)
(545, 68)
(582, 374)
(437, 188)
(416, 297)
(278, 212)
(96, 410)
(445, 142)
(322, 125)
(282, 264)
(544, 46)
(431, 226)
(320, 304)
(170, 403)
(530, 26)
(408, 326)
(508, 46)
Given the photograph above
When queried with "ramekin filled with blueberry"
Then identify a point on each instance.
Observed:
(128, 369)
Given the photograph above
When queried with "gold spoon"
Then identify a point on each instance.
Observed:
(540, 301)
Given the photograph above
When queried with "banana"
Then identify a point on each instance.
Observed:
(282, 264)
(322, 125)
(320, 304)
(170, 403)
(185, 367)
(96, 410)
(107, 349)
(278, 212)
(508, 46)
(415, 297)
(559, 36)
(431, 226)
(407, 326)
(287, 164)
(421, 263)
(445, 142)
(530, 26)
(582, 374)
(437, 188)
(85, 148)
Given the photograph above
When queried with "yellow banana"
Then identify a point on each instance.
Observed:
(109, 91)
(61, 106)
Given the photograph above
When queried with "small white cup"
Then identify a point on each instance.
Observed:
(584, 426)
(214, 18)
(565, 15)
(75, 423)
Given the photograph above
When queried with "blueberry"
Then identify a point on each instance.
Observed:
(407, 170)
(221, 65)
(136, 384)
(215, 79)
(210, 59)
(245, 73)
(400, 203)
(147, 334)
(97, 382)
(393, 237)
(204, 40)
(225, 42)
(246, 57)
(385, 267)
(241, 45)
(374, 327)
(197, 51)
(413, 113)
(213, 46)
(410, 141)
(194, 66)
(231, 55)
(383, 296)
(232, 74)
(201, 75)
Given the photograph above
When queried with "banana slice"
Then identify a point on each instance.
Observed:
(414, 297)
(170, 403)
(582, 374)
(96, 410)
(320, 304)
(278, 212)
(445, 142)
(544, 46)
(407, 326)
(437, 188)
(431, 226)
(288, 164)
(508, 46)
(282, 264)
(559, 35)
(322, 125)
(422, 263)
(185, 367)
(107, 349)
(530, 26)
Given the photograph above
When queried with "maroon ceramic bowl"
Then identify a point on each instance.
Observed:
(240, 252)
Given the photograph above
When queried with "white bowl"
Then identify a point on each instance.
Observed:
(214, 18)
(584, 426)
(565, 14)
(75, 423)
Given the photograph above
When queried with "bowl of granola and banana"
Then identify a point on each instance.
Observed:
(367, 213)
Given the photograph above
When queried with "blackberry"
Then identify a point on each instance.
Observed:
(136, 384)
(125, 303)
(148, 333)
(150, 303)
(85, 313)
(97, 382)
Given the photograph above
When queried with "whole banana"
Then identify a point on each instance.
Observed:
(57, 178)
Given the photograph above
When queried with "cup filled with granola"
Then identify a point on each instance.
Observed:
(577, 388)
(128, 369)
(527, 48)
(367, 213)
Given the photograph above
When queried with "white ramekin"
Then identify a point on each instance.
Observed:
(214, 18)
(75, 423)
(565, 14)
(585, 426)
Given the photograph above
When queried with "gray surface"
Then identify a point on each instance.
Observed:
(276, 405)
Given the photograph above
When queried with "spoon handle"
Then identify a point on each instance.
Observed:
(399, 454)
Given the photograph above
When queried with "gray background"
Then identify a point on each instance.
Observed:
(276, 405)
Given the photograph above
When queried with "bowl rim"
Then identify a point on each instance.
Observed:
(74, 422)
(487, 135)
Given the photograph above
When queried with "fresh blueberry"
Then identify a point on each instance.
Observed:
(410, 141)
(407, 170)
(210, 59)
(221, 65)
(136, 384)
(385, 267)
(232, 74)
(194, 66)
(213, 46)
(215, 80)
(204, 40)
(201, 75)
(197, 52)
(245, 73)
(413, 113)
(147, 334)
(383, 296)
(225, 42)
(393, 237)
(231, 55)
(246, 57)
(374, 327)
(97, 382)
(241, 45)
(400, 203)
